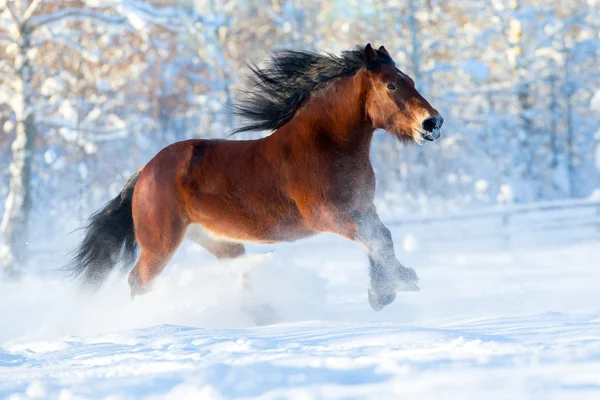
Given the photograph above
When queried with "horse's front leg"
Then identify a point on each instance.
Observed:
(387, 274)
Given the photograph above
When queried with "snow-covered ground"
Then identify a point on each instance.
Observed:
(487, 324)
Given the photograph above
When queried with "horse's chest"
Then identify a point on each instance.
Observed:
(351, 185)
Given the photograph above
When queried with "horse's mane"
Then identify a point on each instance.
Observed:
(281, 87)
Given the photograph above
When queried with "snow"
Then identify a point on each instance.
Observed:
(491, 324)
(476, 69)
(595, 102)
(597, 157)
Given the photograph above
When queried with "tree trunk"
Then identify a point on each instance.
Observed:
(526, 104)
(568, 93)
(570, 147)
(14, 225)
(18, 203)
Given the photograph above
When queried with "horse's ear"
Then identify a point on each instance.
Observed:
(384, 51)
(369, 54)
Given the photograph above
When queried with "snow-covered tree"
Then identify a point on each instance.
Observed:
(35, 76)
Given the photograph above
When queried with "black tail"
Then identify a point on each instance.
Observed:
(109, 239)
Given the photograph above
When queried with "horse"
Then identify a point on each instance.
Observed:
(312, 174)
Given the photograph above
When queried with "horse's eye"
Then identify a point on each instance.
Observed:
(391, 87)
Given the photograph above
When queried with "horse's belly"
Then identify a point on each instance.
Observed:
(257, 214)
(240, 231)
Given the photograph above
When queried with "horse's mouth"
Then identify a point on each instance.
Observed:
(430, 136)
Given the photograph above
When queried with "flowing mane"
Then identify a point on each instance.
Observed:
(281, 87)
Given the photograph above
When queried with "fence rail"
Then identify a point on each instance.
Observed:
(515, 225)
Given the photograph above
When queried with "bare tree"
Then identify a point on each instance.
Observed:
(26, 27)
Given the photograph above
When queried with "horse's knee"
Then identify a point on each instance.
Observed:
(384, 234)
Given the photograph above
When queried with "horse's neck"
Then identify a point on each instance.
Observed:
(336, 116)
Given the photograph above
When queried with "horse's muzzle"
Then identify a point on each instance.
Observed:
(431, 136)
(432, 127)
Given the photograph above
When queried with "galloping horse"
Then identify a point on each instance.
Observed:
(312, 174)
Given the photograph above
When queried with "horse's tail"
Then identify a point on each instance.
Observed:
(109, 239)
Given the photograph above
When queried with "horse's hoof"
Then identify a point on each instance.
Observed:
(377, 302)
(261, 313)
(407, 286)
(408, 274)
(137, 290)
(264, 315)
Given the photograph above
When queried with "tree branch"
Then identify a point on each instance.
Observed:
(75, 14)
(131, 14)
(5, 65)
(93, 134)
(5, 37)
(139, 11)
(35, 4)
(13, 13)
(67, 41)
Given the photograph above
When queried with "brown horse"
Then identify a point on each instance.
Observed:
(312, 174)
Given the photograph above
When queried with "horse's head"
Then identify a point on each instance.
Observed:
(394, 104)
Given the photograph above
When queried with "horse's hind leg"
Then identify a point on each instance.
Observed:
(261, 312)
(220, 249)
(158, 247)
(148, 267)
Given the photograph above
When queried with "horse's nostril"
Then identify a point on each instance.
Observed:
(432, 123)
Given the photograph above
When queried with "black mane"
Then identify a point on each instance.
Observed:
(282, 86)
